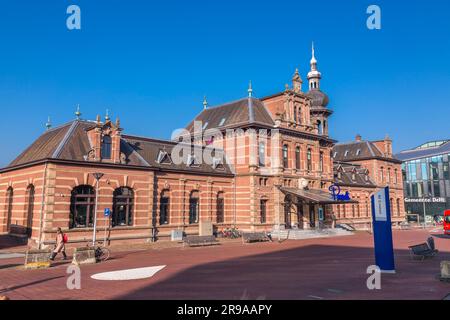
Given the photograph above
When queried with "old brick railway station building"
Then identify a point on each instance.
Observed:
(280, 164)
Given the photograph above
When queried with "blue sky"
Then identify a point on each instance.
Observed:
(151, 62)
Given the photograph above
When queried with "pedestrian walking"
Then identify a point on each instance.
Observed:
(61, 240)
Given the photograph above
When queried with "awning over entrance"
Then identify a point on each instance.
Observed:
(314, 196)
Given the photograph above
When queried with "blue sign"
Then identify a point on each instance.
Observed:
(336, 193)
(107, 212)
(382, 231)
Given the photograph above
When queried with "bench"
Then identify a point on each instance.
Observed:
(255, 237)
(195, 241)
(422, 250)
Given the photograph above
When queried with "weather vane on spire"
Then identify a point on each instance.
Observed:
(48, 125)
(250, 89)
(78, 112)
(205, 102)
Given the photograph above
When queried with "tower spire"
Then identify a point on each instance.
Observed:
(107, 118)
(205, 103)
(78, 112)
(314, 75)
(250, 89)
(48, 125)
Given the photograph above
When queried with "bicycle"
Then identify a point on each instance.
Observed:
(102, 253)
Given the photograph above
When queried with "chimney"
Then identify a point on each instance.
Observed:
(387, 146)
(358, 138)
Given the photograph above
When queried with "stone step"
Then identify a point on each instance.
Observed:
(308, 234)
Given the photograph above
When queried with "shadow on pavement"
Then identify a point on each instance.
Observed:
(328, 272)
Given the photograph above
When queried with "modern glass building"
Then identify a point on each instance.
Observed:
(426, 176)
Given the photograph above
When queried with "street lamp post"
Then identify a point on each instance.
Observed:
(97, 177)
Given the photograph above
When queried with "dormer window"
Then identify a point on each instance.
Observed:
(163, 157)
(192, 161)
(106, 147)
(222, 122)
(218, 163)
(335, 154)
(358, 152)
(205, 125)
(346, 153)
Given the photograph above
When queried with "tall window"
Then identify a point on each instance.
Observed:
(297, 158)
(30, 208)
(319, 127)
(193, 207)
(106, 147)
(309, 159)
(321, 162)
(82, 206)
(389, 175)
(263, 211)
(398, 207)
(299, 116)
(220, 214)
(9, 207)
(285, 156)
(123, 199)
(164, 207)
(382, 174)
(391, 204)
(262, 154)
(395, 176)
(295, 114)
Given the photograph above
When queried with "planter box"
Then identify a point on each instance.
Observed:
(84, 256)
(37, 259)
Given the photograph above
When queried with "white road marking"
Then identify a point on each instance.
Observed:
(130, 274)
(11, 255)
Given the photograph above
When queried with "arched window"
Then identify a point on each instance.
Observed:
(391, 203)
(299, 116)
(106, 147)
(194, 202)
(164, 207)
(382, 174)
(220, 207)
(9, 207)
(319, 127)
(395, 176)
(30, 208)
(123, 200)
(398, 207)
(297, 158)
(262, 154)
(285, 156)
(82, 206)
(324, 126)
(309, 159)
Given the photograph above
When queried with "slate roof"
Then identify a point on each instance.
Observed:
(240, 112)
(424, 153)
(70, 142)
(358, 150)
(345, 178)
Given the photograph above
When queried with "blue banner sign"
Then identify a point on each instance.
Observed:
(382, 231)
(107, 212)
(335, 191)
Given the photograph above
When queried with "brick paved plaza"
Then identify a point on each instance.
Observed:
(329, 268)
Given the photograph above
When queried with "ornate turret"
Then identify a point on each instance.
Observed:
(297, 82)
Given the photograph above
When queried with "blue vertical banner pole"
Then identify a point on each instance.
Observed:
(382, 231)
